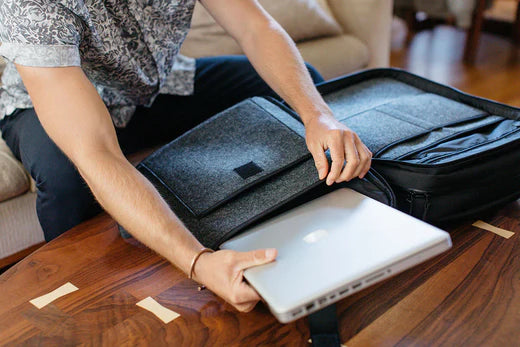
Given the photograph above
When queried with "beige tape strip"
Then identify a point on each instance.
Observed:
(46, 299)
(163, 313)
(499, 231)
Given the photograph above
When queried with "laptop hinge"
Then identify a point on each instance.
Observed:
(323, 326)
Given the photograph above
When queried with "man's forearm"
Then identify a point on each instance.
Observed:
(130, 198)
(75, 117)
(276, 58)
(279, 62)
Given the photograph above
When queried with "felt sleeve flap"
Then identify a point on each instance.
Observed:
(226, 155)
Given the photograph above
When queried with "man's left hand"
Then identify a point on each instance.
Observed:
(326, 132)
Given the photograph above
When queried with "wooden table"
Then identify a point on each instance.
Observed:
(470, 296)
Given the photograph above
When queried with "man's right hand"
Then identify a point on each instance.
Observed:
(223, 273)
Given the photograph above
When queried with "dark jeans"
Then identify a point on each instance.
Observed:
(64, 200)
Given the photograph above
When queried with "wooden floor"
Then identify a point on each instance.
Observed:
(437, 55)
(469, 296)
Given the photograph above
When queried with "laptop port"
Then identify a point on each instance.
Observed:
(297, 313)
(332, 296)
(375, 277)
(344, 291)
(322, 301)
(357, 285)
(309, 307)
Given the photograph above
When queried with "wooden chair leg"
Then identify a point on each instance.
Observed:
(411, 24)
(473, 35)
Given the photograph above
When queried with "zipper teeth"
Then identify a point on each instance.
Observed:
(433, 160)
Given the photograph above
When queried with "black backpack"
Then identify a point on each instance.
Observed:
(447, 155)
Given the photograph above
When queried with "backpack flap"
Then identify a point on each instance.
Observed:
(242, 165)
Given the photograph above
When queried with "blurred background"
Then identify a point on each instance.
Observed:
(470, 44)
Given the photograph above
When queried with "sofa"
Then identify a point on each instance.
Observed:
(336, 36)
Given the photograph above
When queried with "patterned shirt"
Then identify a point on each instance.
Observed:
(127, 48)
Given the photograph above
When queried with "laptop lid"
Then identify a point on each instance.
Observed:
(332, 247)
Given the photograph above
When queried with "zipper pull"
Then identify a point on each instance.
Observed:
(410, 199)
(422, 207)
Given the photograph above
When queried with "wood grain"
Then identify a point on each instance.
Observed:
(13, 258)
(466, 296)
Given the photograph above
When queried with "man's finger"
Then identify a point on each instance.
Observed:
(243, 293)
(320, 161)
(246, 307)
(337, 153)
(367, 165)
(254, 258)
(368, 162)
(352, 160)
(364, 158)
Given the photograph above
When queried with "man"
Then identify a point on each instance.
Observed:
(86, 68)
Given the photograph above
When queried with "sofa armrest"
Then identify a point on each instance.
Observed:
(370, 21)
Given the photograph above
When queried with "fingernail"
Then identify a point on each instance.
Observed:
(270, 253)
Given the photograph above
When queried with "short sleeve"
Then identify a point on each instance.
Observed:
(39, 33)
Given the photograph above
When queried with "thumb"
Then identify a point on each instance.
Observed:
(257, 257)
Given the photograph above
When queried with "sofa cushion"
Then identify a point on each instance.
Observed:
(302, 19)
(335, 56)
(370, 21)
(13, 178)
(324, 4)
(19, 226)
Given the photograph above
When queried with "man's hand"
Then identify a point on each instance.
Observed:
(325, 132)
(276, 58)
(223, 273)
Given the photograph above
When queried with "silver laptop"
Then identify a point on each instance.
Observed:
(332, 247)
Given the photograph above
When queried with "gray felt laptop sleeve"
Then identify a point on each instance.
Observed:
(446, 155)
(242, 165)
